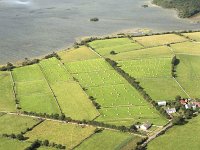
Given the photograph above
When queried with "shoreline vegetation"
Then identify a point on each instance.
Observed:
(185, 8)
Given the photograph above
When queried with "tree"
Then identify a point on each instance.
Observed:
(178, 120)
(178, 97)
(113, 53)
(46, 143)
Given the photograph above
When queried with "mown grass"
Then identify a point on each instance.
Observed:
(54, 71)
(194, 36)
(104, 47)
(73, 101)
(70, 96)
(108, 140)
(7, 101)
(66, 134)
(33, 91)
(131, 114)
(88, 66)
(156, 40)
(188, 72)
(11, 144)
(151, 68)
(188, 48)
(116, 95)
(161, 89)
(160, 51)
(78, 54)
(15, 124)
(107, 77)
(181, 137)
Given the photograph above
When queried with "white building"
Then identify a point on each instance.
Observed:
(145, 126)
(162, 103)
(171, 110)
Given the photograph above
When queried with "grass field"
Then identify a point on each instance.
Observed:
(116, 95)
(108, 140)
(98, 78)
(151, 68)
(181, 137)
(156, 40)
(160, 51)
(33, 91)
(66, 134)
(188, 74)
(15, 124)
(79, 54)
(54, 71)
(88, 66)
(7, 101)
(194, 36)
(131, 114)
(104, 47)
(10, 144)
(188, 48)
(162, 88)
(73, 101)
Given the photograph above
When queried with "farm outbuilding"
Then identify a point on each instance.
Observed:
(145, 126)
(162, 103)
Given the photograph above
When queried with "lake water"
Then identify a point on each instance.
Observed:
(30, 28)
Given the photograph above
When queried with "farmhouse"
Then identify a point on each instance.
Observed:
(145, 126)
(162, 103)
(171, 110)
(189, 106)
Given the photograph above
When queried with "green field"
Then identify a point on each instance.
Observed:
(88, 66)
(33, 91)
(15, 124)
(160, 51)
(10, 144)
(66, 134)
(156, 40)
(104, 47)
(7, 101)
(147, 68)
(161, 89)
(187, 48)
(179, 137)
(194, 36)
(70, 96)
(54, 71)
(73, 101)
(108, 140)
(131, 114)
(98, 78)
(78, 54)
(188, 74)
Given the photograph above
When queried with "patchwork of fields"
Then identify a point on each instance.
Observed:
(70, 86)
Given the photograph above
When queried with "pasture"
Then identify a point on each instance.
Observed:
(143, 68)
(66, 134)
(106, 77)
(116, 95)
(33, 91)
(157, 40)
(182, 137)
(108, 140)
(54, 71)
(15, 124)
(78, 54)
(161, 88)
(11, 144)
(73, 101)
(7, 101)
(194, 36)
(131, 114)
(88, 66)
(188, 74)
(187, 48)
(160, 51)
(104, 47)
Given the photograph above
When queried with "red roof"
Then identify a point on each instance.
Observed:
(183, 102)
